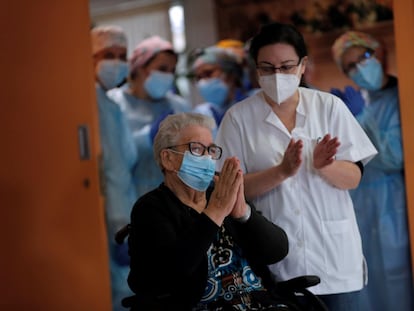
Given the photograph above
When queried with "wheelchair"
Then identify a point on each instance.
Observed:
(290, 295)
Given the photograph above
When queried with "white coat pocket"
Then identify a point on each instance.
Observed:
(341, 251)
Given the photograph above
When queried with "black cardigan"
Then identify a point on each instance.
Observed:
(168, 245)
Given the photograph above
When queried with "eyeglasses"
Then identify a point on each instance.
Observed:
(352, 67)
(266, 70)
(198, 149)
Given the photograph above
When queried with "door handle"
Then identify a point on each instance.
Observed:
(83, 141)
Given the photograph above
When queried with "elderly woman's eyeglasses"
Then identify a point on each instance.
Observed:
(352, 67)
(198, 149)
(267, 70)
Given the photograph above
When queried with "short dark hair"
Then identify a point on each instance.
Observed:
(278, 33)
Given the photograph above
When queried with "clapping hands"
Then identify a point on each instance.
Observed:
(324, 152)
(292, 158)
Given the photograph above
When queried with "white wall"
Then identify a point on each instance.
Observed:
(151, 17)
(138, 23)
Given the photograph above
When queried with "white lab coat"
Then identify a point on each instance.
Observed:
(318, 218)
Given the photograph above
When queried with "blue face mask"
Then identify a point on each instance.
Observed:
(197, 172)
(158, 83)
(111, 73)
(368, 75)
(213, 90)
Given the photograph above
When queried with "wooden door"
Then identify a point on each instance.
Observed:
(404, 45)
(53, 243)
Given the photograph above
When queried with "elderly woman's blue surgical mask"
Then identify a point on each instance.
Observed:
(158, 83)
(197, 172)
(213, 90)
(111, 72)
(368, 74)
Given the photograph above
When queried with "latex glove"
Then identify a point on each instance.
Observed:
(352, 98)
(156, 124)
(121, 255)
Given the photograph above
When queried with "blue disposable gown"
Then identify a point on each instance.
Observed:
(217, 111)
(141, 115)
(212, 111)
(380, 205)
(118, 158)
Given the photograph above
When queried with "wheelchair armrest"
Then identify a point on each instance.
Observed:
(128, 302)
(298, 283)
(122, 234)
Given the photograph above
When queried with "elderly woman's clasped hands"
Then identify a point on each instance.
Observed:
(227, 197)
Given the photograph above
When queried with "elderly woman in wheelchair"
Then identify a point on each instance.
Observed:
(195, 243)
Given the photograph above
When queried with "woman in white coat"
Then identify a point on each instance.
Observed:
(301, 151)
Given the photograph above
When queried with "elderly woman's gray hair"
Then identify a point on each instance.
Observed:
(170, 128)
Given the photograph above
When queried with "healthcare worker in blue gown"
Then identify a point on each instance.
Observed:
(380, 199)
(145, 100)
(118, 151)
(218, 74)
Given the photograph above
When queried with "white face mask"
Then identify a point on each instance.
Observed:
(279, 86)
(111, 72)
